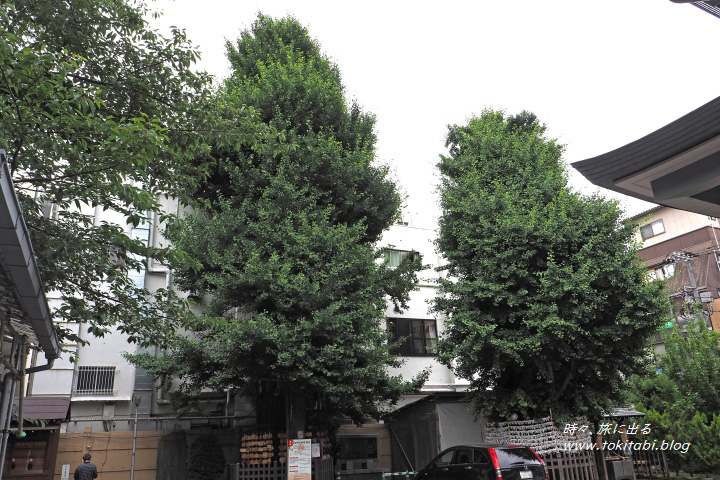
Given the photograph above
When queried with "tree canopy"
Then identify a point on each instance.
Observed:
(284, 233)
(98, 110)
(548, 306)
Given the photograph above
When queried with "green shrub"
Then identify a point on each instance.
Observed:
(206, 460)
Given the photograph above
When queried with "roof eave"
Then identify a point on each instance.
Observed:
(18, 260)
(678, 165)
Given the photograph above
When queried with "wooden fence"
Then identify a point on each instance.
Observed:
(571, 466)
(111, 452)
(650, 464)
(321, 470)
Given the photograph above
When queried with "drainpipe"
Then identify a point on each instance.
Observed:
(160, 400)
(153, 269)
(33, 362)
(21, 399)
(151, 241)
(41, 368)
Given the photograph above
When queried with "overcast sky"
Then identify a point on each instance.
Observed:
(599, 74)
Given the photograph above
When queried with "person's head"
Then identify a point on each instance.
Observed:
(87, 457)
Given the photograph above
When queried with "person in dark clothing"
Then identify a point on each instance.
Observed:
(86, 470)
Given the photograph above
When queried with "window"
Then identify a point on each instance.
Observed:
(358, 448)
(54, 213)
(446, 457)
(480, 457)
(418, 337)
(95, 381)
(394, 257)
(463, 456)
(141, 233)
(652, 229)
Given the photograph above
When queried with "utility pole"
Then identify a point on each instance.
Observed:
(686, 257)
(691, 293)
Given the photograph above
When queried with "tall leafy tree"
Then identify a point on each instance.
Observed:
(98, 110)
(548, 307)
(285, 235)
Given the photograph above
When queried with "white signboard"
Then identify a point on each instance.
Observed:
(299, 459)
(65, 474)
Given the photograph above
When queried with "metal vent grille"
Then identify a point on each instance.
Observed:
(95, 381)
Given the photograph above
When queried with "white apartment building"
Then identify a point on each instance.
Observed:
(101, 384)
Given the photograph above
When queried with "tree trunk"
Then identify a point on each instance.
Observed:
(296, 412)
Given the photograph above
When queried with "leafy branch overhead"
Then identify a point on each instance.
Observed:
(97, 111)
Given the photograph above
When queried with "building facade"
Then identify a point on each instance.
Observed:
(684, 248)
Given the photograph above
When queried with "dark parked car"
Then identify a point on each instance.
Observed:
(485, 462)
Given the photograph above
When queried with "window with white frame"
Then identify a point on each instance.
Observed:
(417, 337)
(95, 380)
(394, 257)
(652, 229)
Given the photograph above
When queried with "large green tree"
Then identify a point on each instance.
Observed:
(284, 233)
(98, 110)
(547, 306)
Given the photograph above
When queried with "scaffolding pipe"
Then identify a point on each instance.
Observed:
(8, 405)
(129, 418)
(136, 401)
(7, 379)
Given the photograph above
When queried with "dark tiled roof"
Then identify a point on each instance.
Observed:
(677, 137)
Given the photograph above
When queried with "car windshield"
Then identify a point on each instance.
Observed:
(511, 456)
